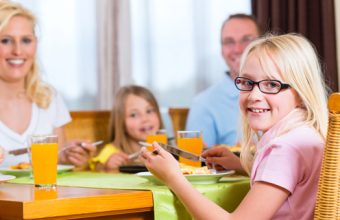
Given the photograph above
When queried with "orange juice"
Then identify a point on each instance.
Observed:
(193, 145)
(158, 137)
(44, 163)
(41, 194)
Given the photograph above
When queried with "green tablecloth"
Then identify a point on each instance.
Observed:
(227, 193)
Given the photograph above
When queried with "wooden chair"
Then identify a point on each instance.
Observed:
(178, 118)
(88, 125)
(328, 195)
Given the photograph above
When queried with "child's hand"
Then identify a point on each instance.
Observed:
(116, 160)
(223, 159)
(161, 163)
(78, 153)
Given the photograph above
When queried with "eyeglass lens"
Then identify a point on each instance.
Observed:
(265, 86)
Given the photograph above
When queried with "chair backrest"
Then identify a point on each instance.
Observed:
(328, 195)
(178, 118)
(89, 125)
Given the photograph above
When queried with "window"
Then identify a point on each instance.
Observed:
(176, 45)
(67, 48)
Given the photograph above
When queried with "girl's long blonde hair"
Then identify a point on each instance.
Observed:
(36, 90)
(118, 133)
(296, 60)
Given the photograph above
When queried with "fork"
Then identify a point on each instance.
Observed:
(134, 155)
(82, 146)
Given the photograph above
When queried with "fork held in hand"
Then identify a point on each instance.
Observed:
(82, 146)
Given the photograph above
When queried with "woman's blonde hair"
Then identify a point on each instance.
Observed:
(296, 60)
(118, 133)
(36, 90)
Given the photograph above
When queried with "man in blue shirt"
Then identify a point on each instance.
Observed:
(215, 111)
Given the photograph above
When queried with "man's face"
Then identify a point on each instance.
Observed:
(236, 34)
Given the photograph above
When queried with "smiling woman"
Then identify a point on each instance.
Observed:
(28, 105)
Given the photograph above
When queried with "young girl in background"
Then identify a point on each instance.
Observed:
(284, 113)
(135, 115)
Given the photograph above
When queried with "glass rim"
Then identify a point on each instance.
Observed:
(43, 135)
(183, 132)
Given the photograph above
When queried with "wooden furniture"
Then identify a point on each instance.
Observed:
(88, 125)
(21, 201)
(178, 118)
(328, 195)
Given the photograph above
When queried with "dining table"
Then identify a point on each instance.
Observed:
(95, 195)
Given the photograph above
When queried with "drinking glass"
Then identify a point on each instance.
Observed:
(43, 194)
(159, 136)
(44, 159)
(190, 141)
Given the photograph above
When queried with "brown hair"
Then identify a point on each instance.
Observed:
(117, 124)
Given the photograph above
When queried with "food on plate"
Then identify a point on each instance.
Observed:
(20, 166)
(235, 148)
(187, 169)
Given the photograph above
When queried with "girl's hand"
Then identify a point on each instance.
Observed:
(78, 153)
(161, 163)
(223, 159)
(116, 160)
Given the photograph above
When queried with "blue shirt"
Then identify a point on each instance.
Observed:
(215, 112)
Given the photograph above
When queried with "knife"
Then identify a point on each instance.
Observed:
(19, 151)
(25, 150)
(175, 150)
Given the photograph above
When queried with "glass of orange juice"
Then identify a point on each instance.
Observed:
(42, 194)
(159, 136)
(44, 159)
(190, 141)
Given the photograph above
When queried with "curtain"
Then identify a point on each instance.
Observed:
(313, 19)
(114, 49)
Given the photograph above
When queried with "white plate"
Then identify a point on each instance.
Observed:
(193, 178)
(22, 172)
(4, 178)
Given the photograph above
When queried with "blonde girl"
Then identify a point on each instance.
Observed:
(284, 115)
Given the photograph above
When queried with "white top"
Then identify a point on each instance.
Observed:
(43, 121)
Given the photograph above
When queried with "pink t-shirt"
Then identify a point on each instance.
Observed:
(291, 161)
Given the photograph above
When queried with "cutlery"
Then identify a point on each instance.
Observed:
(82, 146)
(177, 151)
(136, 154)
(133, 155)
(25, 150)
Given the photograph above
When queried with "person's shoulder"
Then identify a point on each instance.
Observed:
(302, 137)
(224, 87)
(56, 97)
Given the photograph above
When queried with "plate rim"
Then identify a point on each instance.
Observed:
(228, 172)
(60, 167)
(193, 178)
(9, 177)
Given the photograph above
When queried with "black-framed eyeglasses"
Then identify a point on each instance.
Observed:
(265, 86)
